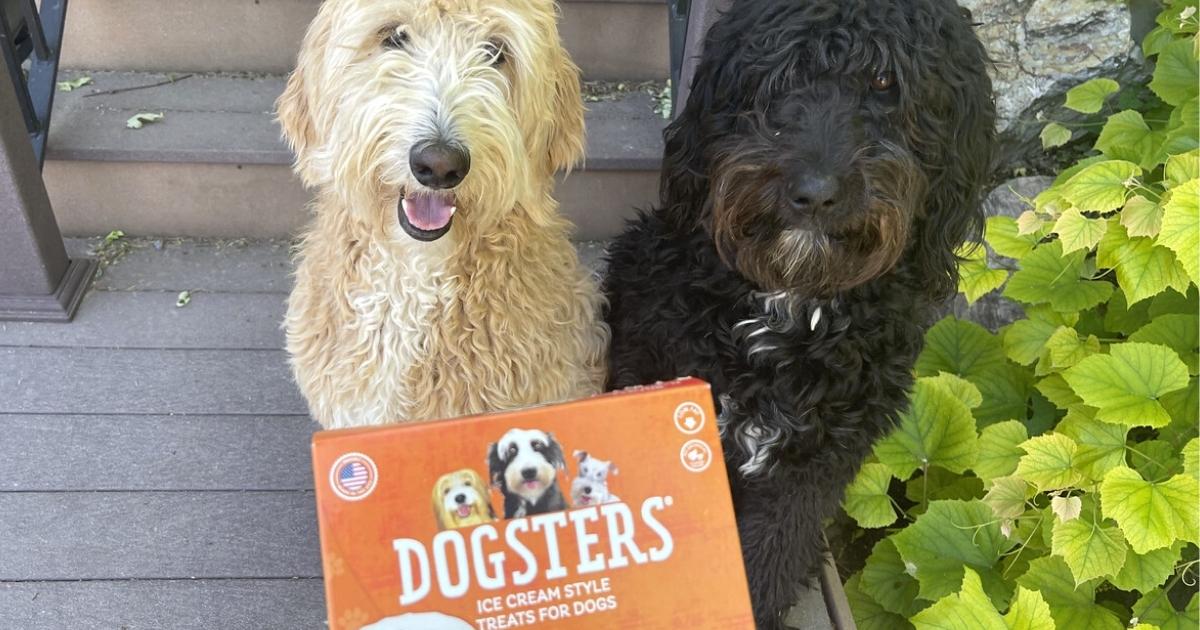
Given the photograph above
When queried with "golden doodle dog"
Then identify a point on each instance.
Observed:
(436, 278)
(460, 499)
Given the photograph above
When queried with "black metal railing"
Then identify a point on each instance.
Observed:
(30, 42)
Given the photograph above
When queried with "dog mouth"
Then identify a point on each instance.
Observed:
(584, 499)
(426, 217)
(463, 511)
(532, 484)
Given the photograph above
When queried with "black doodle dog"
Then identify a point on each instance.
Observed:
(524, 464)
(816, 186)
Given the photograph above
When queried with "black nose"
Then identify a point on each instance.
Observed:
(460, 498)
(587, 489)
(814, 193)
(529, 473)
(439, 165)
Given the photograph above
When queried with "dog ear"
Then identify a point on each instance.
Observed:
(955, 132)
(495, 466)
(293, 107)
(580, 455)
(566, 134)
(554, 453)
(438, 509)
(613, 469)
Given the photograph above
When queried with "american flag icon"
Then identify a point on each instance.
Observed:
(353, 476)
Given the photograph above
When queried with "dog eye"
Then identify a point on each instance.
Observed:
(883, 81)
(538, 446)
(512, 450)
(495, 51)
(395, 40)
(467, 484)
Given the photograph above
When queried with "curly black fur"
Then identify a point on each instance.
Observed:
(806, 322)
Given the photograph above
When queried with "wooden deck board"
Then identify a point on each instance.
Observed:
(83, 380)
(184, 452)
(150, 604)
(151, 319)
(131, 535)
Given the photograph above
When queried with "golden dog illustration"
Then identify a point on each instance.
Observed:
(460, 499)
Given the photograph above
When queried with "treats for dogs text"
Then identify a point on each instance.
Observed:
(456, 558)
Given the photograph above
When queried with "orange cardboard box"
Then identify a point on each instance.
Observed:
(610, 512)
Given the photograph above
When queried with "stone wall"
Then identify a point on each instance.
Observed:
(1042, 48)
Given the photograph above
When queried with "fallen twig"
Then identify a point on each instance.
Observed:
(139, 87)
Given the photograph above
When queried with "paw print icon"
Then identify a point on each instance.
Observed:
(695, 456)
(689, 418)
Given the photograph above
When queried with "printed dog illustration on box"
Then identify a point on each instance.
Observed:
(590, 485)
(460, 499)
(524, 465)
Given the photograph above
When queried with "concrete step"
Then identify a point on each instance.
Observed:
(609, 39)
(215, 164)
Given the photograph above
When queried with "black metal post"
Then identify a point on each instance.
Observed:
(37, 280)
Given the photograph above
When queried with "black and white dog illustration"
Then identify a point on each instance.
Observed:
(524, 464)
(590, 485)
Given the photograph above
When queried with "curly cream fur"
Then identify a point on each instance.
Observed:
(498, 313)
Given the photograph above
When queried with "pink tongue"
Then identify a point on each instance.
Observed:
(428, 212)
(464, 510)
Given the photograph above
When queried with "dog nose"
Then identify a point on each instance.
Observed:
(439, 165)
(460, 498)
(587, 489)
(814, 193)
(529, 473)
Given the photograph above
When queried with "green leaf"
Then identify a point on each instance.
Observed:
(1090, 550)
(969, 609)
(938, 484)
(137, 121)
(1066, 508)
(1143, 572)
(967, 350)
(1182, 168)
(937, 429)
(1179, 230)
(867, 500)
(73, 84)
(1029, 611)
(1071, 605)
(1025, 339)
(1126, 384)
(1089, 97)
(1175, 75)
(1001, 234)
(1142, 217)
(1077, 231)
(1120, 317)
(975, 278)
(949, 536)
(1056, 390)
(1179, 332)
(1066, 348)
(1047, 276)
(1007, 497)
(999, 449)
(1143, 268)
(1100, 445)
(1151, 515)
(1154, 459)
(1191, 459)
(887, 581)
(1048, 462)
(1101, 186)
(1156, 40)
(1155, 608)
(868, 614)
(1126, 136)
(958, 387)
(1055, 135)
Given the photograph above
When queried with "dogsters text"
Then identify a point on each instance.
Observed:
(457, 557)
